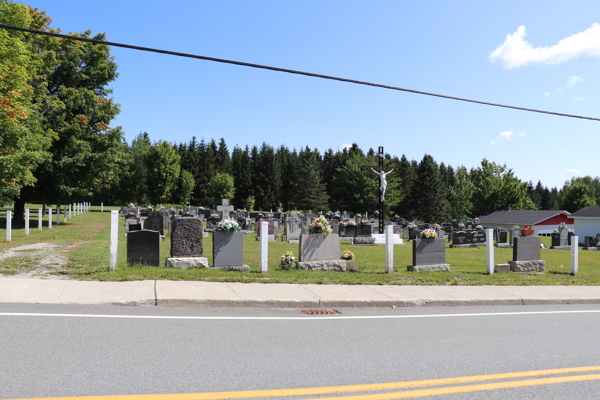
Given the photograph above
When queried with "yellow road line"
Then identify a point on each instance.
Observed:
(466, 389)
(336, 389)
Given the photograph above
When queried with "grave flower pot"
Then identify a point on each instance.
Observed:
(526, 232)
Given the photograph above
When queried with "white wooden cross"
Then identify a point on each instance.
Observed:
(224, 209)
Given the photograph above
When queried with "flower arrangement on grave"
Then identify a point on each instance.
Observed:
(479, 228)
(516, 227)
(438, 226)
(329, 213)
(377, 212)
(320, 225)
(555, 232)
(287, 260)
(527, 230)
(476, 220)
(429, 234)
(347, 255)
(130, 205)
(461, 226)
(571, 232)
(348, 223)
(228, 225)
(201, 208)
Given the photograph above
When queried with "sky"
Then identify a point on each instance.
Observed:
(535, 54)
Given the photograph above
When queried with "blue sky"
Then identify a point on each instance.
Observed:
(534, 54)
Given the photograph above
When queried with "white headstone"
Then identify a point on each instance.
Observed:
(101, 207)
(264, 246)
(66, 214)
(40, 219)
(114, 238)
(389, 249)
(491, 259)
(8, 233)
(575, 255)
(49, 217)
(57, 214)
(27, 222)
(224, 209)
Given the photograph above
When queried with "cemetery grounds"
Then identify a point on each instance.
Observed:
(79, 250)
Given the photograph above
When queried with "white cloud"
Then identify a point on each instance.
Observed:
(547, 94)
(579, 98)
(344, 146)
(506, 135)
(573, 80)
(572, 171)
(516, 51)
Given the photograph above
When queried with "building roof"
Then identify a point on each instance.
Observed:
(520, 217)
(590, 211)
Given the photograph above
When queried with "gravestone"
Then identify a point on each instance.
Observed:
(143, 247)
(598, 239)
(364, 230)
(131, 221)
(228, 250)
(320, 253)
(145, 212)
(292, 227)
(562, 239)
(478, 237)
(212, 223)
(191, 211)
(460, 238)
(501, 238)
(589, 242)
(187, 244)
(224, 209)
(272, 229)
(155, 222)
(414, 233)
(134, 227)
(347, 231)
(526, 255)
(428, 255)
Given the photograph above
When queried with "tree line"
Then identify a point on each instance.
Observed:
(58, 147)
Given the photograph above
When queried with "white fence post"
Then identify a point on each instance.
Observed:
(491, 260)
(264, 246)
(27, 222)
(389, 249)
(114, 238)
(40, 219)
(58, 214)
(8, 233)
(49, 217)
(574, 255)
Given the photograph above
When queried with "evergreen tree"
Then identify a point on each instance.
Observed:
(309, 191)
(427, 193)
(222, 158)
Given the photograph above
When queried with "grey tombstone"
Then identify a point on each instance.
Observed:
(155, 222)
(526, 255)
(515, 233)
(187, 238)
(228, 250)
(292, 227)
(429, 255)
(224, 209)
(131, 221)
(564, 236)
(143, 247)
(318, 247)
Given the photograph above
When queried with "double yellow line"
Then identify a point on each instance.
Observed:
(383, 387)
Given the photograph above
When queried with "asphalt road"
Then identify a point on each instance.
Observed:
(255, 349)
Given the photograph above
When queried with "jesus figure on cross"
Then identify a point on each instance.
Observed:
(383, 181)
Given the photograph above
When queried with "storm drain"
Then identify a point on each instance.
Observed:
(318, 312)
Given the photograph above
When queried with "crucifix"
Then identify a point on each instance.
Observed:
(380, 170)
(224, 209)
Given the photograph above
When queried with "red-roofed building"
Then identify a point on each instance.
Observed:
(544, 222)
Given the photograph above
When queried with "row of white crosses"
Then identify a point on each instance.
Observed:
(70, 211)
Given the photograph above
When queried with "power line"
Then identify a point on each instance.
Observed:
(290, 71)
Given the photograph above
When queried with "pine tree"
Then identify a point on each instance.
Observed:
(427, 194)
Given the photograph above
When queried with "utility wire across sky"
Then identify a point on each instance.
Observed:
(290, 71)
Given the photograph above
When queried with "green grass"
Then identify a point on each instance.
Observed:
(85, 241)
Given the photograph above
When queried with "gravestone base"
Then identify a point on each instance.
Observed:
(502, 246)
(561, 248)
(347, 239)
(472, 245)
(323, 265)
(527, 266)
(502, 268)
(186, 262)
(434, 267)
(233, 268)
(364, 240)
(591, 248)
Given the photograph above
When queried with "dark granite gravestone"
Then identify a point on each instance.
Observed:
(414, 233)
(228, 250)
(155, 222)
(134, 227)
(428, 252)
(589, 241)
(460, 237)
(598, 239)
(526, 248)
(144, 212)
(187, 238)
(192, 211)
(448, 229)
(455, 224)
(555, 240)
(212, 222)
(243, 223)
(347, 230)
(127, 216)
(143, 247)
(501, 235)
(478, 237)
(364, 230)
(205, 213)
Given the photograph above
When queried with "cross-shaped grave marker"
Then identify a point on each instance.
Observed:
(224, 209)
(382, 183)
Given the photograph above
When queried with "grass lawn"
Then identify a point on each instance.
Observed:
(83, 243)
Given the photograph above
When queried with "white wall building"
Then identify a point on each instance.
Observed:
(587, 222)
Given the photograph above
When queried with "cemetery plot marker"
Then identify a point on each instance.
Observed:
(380, 170)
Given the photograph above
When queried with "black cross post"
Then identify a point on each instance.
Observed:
(379, 168)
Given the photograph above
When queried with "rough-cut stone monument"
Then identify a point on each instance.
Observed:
(187, 244)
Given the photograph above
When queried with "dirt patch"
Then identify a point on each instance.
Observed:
(38, 261)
